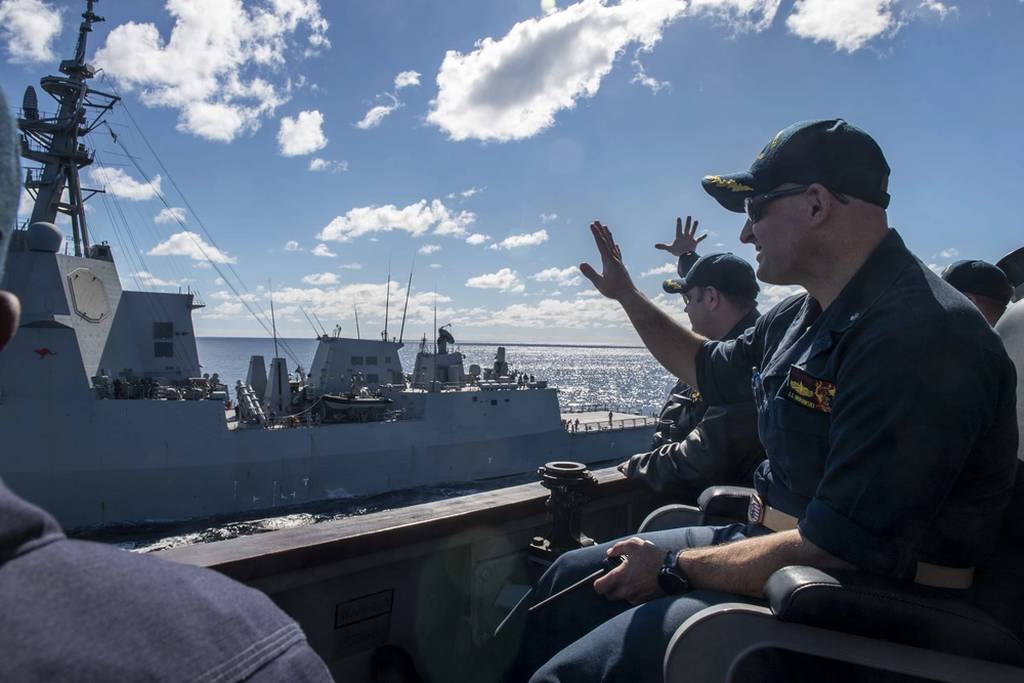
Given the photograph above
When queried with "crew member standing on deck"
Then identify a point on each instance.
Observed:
(696, 446)
(871, 462)
(984, 284)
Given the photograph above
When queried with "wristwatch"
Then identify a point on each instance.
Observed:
(670, 578)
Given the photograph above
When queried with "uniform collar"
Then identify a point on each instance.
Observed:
(745, 322)
(868, 284)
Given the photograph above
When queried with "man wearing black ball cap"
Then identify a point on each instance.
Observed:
(984, 284)
(882, 455)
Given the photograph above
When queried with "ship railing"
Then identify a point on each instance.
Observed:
(591, 408)
(609, 425)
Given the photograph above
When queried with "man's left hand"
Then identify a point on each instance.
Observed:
(636, 579)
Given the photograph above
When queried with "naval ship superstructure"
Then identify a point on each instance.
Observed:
(107, 419)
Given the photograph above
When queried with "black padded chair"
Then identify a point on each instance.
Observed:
(840, 626)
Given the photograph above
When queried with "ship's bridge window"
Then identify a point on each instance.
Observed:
(357, 360)
(163, 349)
(371, 360)
(372, 378)
(163, 331)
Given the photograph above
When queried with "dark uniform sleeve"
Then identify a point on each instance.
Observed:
(724, 367)
(722, 449)
(905, 419)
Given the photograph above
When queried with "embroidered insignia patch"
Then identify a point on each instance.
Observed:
(728, 183)
(809, 391)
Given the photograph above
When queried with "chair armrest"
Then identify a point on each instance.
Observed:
(718, 643)
(879, 607)
(671, 517)
(729, 502)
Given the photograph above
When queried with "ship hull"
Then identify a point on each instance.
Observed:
(120, 461)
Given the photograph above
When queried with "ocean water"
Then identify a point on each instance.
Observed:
(625, 378)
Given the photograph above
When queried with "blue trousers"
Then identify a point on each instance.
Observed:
(584, 636)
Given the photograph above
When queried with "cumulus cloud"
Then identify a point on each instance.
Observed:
(773, 294)
(321, 279)
(212, 65)
(848, 25)
(406, 79)
(118, 183)
(951, 252)
(660, 270)
(147, 279)
(504, 280)
(548, 217)
(192, 245)
(524, 240)
(416, 219)
(172, 214)
(465, 194)
(292, 245)
(375, 115)
(429, 248)
(563, 277)
(512, 87)
(318, 165)
(302, 135)
(477, 238)
(323, 250)
(28, 29)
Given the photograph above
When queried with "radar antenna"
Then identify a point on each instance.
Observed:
(52, 140)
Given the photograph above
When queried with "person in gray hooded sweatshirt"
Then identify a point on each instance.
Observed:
(75, 610)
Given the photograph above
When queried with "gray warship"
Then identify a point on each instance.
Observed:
(109, 420)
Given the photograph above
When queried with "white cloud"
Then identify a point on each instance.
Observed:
(302, 135)
(120, 184)
(548, 6)
(548, 217)
(848, 25)
(406, 79)
(940, 8)
(660, 270)
(524, 240)
(511, 88)
(25, 203)
(378, 113)
(28, 29)
(465, 194)
(323, 250)
(773, 294)
(292, 245)
(640, 76)
(316, 164)
(505, 280)
(187, 243)
(173, 214)
(351, 266)
(211, 66)
(564, 277)
(477, 239)
(435, 265)
(429, 248)
(321, 279)
(416, 219)
(949, 253)
(149, 280)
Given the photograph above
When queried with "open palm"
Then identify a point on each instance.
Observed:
(686, 240)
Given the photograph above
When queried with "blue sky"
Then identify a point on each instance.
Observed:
(316, 142)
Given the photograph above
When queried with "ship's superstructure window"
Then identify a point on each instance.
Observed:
(163, 331)
(387, 360)
(372, 378)
(371, 360)
(163, 349)
(357, 360)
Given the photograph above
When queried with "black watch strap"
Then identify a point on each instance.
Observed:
(670, 578)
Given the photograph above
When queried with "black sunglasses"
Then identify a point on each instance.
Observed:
(754, 206)
(686, 295)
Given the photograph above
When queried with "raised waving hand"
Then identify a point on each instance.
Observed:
(686, 238)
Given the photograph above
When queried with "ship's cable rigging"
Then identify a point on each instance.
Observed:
(258, 314)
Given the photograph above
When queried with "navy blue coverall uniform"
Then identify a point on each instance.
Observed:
(890, 429)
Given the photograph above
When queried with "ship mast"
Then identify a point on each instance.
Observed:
(53, 140)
